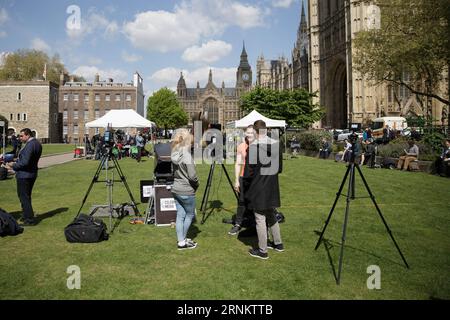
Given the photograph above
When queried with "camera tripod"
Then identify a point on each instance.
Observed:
(351, 196)
(109, 183)
(208, 189)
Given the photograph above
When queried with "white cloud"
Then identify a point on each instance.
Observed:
(129, 57)
(282, 3)
(190, 21)
(41, 45)
(3, 16)
(168, 77)
(209, 52)
(89, 72)
(94, 23)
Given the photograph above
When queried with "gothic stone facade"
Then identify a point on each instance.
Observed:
(219, 105)
(33, 105)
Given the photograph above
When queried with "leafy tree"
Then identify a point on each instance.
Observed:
(25, 65)
(413, 40)
(165, 110)
(296, 107)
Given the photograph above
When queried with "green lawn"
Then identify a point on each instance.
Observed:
(50, 149)
(141, 261)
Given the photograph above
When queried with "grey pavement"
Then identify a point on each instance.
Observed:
(49, 161)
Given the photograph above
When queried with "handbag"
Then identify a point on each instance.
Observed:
(86, 229)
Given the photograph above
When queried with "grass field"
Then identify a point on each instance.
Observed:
(141, 261)
(50, 149)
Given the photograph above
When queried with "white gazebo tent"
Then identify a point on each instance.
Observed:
(118, 119)
(254, 116)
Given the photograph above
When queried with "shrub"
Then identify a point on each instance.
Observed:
(395, 149)
(312, 139)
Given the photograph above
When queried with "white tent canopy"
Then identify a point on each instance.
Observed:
(126, 118)
(254, 116)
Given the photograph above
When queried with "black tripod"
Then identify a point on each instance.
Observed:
(108, 155)
(208, 188)
(351, 196)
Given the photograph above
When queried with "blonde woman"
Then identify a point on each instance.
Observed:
(184, 187)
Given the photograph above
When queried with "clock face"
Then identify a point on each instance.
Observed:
(245, 77)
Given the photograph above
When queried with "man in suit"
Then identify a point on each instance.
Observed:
(26, 169)
(263, 195)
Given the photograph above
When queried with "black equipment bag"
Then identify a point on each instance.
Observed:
(8, 225)
(86, 229)
(3, 173)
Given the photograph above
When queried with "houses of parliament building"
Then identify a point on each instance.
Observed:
(321, 62)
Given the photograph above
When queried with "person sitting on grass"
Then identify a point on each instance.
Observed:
(443, 162)
(411, 154)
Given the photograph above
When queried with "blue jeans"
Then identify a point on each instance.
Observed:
(185, 214)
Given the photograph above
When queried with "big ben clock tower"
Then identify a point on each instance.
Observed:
(244, 73)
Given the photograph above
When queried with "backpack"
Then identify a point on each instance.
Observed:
(8, 225)
(388, 163)
(86, 229)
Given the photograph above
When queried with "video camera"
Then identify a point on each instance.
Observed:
(353, 137)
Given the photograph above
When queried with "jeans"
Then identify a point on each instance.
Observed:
(24, 190)
(185, 214)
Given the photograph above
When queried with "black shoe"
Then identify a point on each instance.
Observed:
(258, 254)
(234, 230)
(276, 247)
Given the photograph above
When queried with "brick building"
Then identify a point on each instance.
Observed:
(82, 102)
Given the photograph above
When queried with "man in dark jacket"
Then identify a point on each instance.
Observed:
(263, 196)
(26, 169)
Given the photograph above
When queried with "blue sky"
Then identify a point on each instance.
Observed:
(156, 38)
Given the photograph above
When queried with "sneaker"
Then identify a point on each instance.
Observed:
(258, 254)
(276, 247)
(234, 230)
(191, 241)
(187, 246)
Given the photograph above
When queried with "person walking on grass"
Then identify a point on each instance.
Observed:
(184, 187)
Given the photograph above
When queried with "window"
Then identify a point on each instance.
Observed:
(19, 96)
(128, 97)
(86, 130)
(86, 98)
(55, 97)
(75, 115)
(75, 97)
(65, 113)
(75, 129)
(66, 97)
(117, 97)
(65, 130)
(55, 118)
(97, 114)
(24, 117)
(18, 117)
(108, 97)
(97, 97)
(11, 117)
(86, 114)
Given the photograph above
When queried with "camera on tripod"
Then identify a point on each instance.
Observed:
(108, 140)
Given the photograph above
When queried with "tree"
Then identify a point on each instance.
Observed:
(165, 110)
(26, 65)
(413, 40)
(296, 107)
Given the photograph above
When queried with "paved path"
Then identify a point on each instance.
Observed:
(49, 161)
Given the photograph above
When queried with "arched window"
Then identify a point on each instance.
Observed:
(212, 108)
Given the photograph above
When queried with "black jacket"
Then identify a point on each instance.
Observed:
(27, 165)
(265, 162)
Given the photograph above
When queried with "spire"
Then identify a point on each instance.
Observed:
(244, 53)
(303, 25)
(181, 81)
(210, 76)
